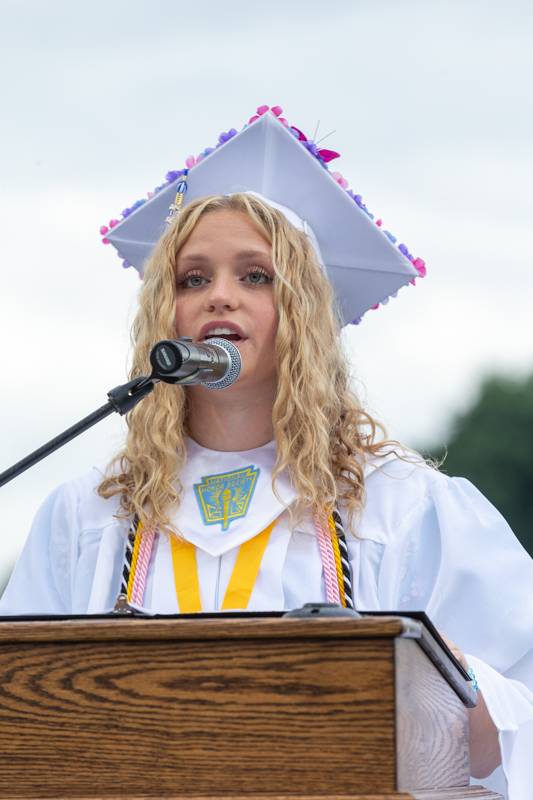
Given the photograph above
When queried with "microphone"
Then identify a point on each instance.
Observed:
(215, 363)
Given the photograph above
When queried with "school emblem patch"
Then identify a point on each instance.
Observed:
(226, 496)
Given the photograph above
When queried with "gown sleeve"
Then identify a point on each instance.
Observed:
(455, 557)
(41, 580)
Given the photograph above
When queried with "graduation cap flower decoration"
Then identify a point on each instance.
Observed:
(277, 161)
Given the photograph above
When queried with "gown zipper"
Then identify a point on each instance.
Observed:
(217, 584)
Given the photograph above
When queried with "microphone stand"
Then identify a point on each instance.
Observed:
(167, 359)
(121, 399)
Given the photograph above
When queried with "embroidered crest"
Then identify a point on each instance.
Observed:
(226, 496)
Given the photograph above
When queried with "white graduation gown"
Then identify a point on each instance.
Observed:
(424, 542)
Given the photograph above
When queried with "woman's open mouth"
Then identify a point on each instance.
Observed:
(222, 332)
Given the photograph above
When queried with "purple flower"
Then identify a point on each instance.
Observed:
(225, 136)
(311, 146)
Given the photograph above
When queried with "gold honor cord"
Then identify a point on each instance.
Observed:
(242, 580)
(337, 555)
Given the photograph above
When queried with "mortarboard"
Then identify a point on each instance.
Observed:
(276, 161)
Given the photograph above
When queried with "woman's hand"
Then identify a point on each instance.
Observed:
(460, 656)
(485, 753)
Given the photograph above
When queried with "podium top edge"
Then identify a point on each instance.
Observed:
(115, 628)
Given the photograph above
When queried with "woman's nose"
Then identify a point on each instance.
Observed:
(222, 293)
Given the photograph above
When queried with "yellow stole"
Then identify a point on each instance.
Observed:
(242, 580)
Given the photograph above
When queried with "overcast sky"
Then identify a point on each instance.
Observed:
(431, 104)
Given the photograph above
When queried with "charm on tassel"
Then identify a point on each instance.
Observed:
(175, 207)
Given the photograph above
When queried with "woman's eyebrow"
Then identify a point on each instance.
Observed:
(199, 258)
(252, 254)
(193, 258)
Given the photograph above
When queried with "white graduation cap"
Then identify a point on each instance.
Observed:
(269, 158)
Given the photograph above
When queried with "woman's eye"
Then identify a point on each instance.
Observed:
(192, 281)
(258, 276)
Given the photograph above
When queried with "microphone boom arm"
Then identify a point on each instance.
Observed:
(216, 364)
(121, 399)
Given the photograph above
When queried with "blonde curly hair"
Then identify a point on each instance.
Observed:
(323, 436)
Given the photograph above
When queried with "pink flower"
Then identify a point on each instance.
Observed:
(277, 110)
(420, 265)
(328, 155)
(340, 180)
(103, 230)
(190, 162)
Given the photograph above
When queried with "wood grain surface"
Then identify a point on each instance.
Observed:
(179, 718)
(432, 725)
(91, 629)
(471, 793)
(394, 796)
(254, 709)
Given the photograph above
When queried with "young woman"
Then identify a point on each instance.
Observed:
(258, 496)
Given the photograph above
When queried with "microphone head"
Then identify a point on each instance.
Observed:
(234, 364)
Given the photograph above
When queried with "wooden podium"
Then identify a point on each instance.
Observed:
(359, 709)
